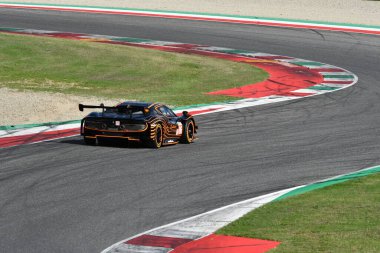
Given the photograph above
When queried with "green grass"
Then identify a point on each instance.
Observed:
(115, 71)
(340, 218)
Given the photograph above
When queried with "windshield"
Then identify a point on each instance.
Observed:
(131, 111)
(166, 111)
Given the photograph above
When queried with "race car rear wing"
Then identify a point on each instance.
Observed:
(102, 106)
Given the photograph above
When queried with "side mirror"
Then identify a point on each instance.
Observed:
(81, 107)
(185, 114)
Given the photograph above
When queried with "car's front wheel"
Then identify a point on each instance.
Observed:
(188, 132)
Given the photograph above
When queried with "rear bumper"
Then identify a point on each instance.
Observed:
(132, 136)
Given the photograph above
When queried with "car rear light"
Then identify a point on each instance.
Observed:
(133, 127)
(113, 126)
(95, 124)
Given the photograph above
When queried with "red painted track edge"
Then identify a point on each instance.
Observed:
(13, 141)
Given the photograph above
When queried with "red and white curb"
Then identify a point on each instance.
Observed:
(290, 78)
(199, 16)
(196, 234)
(11, 138)
(195, 228)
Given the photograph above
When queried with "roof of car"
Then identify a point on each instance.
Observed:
(136, 103)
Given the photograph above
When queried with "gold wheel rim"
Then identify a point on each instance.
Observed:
(159, 140)
(190, 126)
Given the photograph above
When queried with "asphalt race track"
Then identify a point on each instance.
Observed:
(63, 196)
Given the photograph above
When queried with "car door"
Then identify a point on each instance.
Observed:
(172, 120)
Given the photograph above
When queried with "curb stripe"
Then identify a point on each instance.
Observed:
(158, 241)
(327, 73)
(337, 82)
(323, 87)
(129, 248)
(332, 79)
(341, 76)
(328, 70)
(202, 17)
(47, 124)
(36, 138)
(177, 233)
(38, 130)
(331, 181)
(337, 85)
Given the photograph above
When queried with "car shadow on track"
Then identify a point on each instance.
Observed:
(107, 143)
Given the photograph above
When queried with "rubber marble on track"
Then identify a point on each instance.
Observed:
(63, 196)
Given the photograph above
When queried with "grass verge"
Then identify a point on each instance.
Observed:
(115, 71)
(340, 218)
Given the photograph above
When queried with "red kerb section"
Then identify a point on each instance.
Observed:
(32, 138)
(339, 82)
(226, 244)
(283, 80)
(196, 112)
(158, 241)
(328, 69)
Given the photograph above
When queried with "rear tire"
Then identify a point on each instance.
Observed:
(188, 132)
(158, 138)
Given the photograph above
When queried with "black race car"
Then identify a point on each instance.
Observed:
(154, 124)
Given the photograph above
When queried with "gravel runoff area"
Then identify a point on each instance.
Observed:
(37, 107)
(346, 11)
